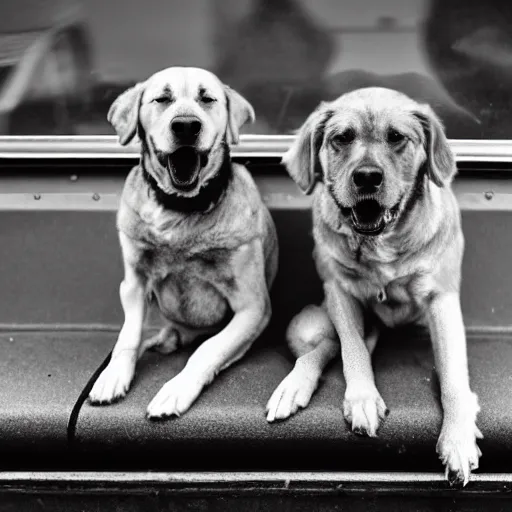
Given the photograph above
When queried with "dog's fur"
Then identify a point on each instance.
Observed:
(394, 262)
(204, 253)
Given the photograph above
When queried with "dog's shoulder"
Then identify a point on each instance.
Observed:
(444, 250)
(433, 229)
(140, 217)
(131, 202)
(246, 215)
(133, 185)
(244, 184)
(243, 203)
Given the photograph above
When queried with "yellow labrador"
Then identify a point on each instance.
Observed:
(196, 238)
(388, 248)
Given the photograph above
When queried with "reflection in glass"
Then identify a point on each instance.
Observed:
(63, 62)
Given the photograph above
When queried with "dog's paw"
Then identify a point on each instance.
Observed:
(364, 410)
(175, 397)
(459, 452)
(294, 393)
(114, 381)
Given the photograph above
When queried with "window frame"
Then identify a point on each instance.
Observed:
(251, 146)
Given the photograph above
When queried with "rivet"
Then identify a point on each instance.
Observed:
(37, 197)
(73, 177)
(489, 195)
(96, 196)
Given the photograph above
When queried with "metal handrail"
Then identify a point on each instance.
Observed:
(251, 146)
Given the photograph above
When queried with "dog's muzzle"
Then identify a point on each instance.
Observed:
(184, 166)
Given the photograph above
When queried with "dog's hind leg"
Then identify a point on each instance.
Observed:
(173, 336)
(167, 340)
(313, 340)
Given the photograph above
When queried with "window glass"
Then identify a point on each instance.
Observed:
(62, 62)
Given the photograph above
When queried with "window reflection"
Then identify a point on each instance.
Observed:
(63, 62)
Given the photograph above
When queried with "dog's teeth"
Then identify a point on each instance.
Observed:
(388, 216)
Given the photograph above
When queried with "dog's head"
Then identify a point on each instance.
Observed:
(183, 117)
(372, 148)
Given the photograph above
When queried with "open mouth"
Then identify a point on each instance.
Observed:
(369, 217)
(184, 165)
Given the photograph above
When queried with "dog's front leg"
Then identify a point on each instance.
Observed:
(457, 446)
(115, 380)
(363, 406)
(248, 298)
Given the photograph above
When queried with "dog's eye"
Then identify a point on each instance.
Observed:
(162, 99)
(207, 99)
(394, 137)
(344, 138)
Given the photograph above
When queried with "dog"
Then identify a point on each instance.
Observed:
(388, 249)
(197, 241)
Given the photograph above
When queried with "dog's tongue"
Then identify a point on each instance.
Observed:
(184, 165)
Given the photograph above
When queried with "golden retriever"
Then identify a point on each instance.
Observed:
(196, 239)
(388, 249)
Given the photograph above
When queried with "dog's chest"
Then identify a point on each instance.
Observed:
(187, 259)
(394, 290)
(187, 286)
(188, 273)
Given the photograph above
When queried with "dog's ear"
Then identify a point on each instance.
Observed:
(440, 162)
(240, 112)
(301, 160)
(123, 114)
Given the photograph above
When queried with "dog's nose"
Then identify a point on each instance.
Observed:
(368, 179)
(186, 127)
